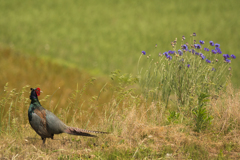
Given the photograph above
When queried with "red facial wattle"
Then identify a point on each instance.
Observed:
(37, 90)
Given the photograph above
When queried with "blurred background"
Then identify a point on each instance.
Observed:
(62, 43)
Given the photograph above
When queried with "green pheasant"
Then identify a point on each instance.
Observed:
(46, 124)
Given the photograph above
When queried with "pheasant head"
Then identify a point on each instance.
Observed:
(35, 93)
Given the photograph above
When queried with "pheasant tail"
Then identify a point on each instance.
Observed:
(81, 132)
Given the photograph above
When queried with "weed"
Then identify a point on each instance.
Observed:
(173, 117)
(202, 118)
(194, 150)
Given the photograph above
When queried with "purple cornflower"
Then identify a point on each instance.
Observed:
(171, 52)
(203, 57)
(213, 51)
(169, 57)
(183, 38)
(226, 56)
(143, 52)
(217, 45)
(233, 56)
(180, 52)
(206, 49)
(211, 43)
(198, 46)
(196, 53)
(194, 34)
(213, 69)
(208, 61)
(165, 54)
(227, 60)
(188, 65)
(218, 50)
(193, 51)
(185, 47)
(201, 42)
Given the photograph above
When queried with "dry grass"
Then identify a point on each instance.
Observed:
(226, 111)
(134, 134)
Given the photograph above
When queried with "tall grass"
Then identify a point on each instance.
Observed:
(138, 129)
(188, 75)
(186, 71)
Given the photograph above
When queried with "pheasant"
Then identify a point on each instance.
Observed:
(46, 124)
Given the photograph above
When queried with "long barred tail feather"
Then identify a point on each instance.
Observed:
(82, 132)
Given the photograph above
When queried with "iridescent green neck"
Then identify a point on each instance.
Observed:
(34, 104)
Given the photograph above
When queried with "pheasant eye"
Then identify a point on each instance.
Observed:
(37, 90)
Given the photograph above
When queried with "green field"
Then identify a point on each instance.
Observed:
(168, 111)
(101, 36)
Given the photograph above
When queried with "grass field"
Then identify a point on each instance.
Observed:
(101, 36)
(60, 46)
(138, 129)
